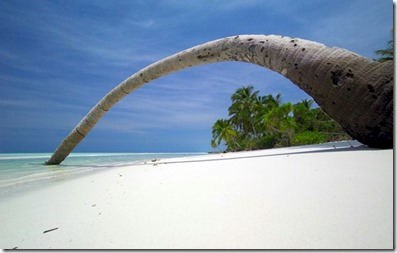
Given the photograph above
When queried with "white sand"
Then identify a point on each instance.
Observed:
(275, 199)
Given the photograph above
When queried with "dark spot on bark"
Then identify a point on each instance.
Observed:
(180, 60)
(328, 63)
(236, 37)
(262, 49)
(335, 76)
(250, 39)
(295, 45)
(351, 75)
(371, 88)
(202, 57)
(333, 102)
(262, 41)
(283, 59)
(348, 89)
(251, 48)
(316, 76)
(303, 49)
(292, 41)
(141, 75)
(77, 131)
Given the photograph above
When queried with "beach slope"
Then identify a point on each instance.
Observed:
(333, 196)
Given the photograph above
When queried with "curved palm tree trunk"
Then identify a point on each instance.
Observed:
(355, 91)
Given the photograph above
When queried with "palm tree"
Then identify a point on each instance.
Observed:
(279, 122)
(265, 105)
(303, 114)
(355, 91)
(244, 102)
(223, 131)
(388, 53)
(307, 103)
(270, 101)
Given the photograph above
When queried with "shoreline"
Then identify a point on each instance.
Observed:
(287, 198)
(26, 171)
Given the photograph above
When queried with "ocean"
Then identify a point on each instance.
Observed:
(21, 172)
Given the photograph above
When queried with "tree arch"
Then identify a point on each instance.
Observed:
(355, 91)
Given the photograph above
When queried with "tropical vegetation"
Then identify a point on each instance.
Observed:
(386, 54)
(260, 122)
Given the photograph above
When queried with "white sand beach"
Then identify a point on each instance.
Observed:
(314, 197)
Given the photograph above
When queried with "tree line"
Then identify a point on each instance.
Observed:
(261, 122)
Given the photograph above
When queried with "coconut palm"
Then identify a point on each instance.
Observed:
(303, 114)
(307, 103)
(278, 122)
(388, 53)
(355, 91)
(223, 131)
(270, 101)
(265, 105)
(244, 103)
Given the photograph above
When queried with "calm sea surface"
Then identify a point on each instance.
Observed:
(25, 171)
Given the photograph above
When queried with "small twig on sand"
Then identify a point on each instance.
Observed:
(49, 230)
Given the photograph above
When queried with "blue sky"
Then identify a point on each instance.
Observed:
(59, 58)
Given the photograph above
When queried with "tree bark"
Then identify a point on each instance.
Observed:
(355, 91)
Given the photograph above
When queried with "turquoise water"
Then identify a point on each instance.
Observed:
(26, 171)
